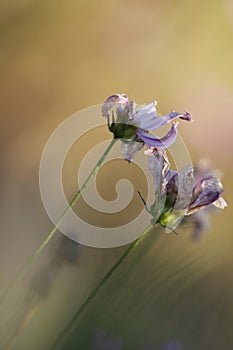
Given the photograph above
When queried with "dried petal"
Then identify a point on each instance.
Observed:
(111, 101)
(185, 185)
(220, 203)
(130, 148)
(179, 194)
(158, 165)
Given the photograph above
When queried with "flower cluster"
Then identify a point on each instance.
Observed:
(178, 194)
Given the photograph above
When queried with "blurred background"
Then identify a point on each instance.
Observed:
(58, 57)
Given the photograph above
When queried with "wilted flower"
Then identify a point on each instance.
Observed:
(200, 219)
(177, 194)
(132, 123)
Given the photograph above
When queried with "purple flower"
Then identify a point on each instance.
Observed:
(177, 194)
(200, 219)
(131, 124)
(207, 191)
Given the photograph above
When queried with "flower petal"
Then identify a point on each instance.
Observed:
(111, 101)
(158, 165)
(185, 183)
(220, 203)
(206, 192)
(179, 193)
(130, 148)
(147, 118)
(164, 142)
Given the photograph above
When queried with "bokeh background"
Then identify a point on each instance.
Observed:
(58, 57)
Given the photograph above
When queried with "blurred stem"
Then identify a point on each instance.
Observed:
(63, 216)
(101, 284)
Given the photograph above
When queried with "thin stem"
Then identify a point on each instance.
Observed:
(101, 284)
(56, 226)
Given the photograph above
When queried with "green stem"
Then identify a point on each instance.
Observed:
(56, 227)
(101, 284)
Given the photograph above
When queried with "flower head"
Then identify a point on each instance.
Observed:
(199, 219)
(131, 123)
(177, 194)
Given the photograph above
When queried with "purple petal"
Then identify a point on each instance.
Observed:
(146, 116)
(205, 192)
(171, 180)
(147, 119)
(180, 186)
(154, 141)
(186, 116)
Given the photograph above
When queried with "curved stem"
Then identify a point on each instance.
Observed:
(56, 227)
(100, 285)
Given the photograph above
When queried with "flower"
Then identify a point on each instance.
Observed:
(132, 123)
(177, 194)
(200, 219)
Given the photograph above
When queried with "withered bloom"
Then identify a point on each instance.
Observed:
(131, 123)
(177, 194)
(199, 220)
